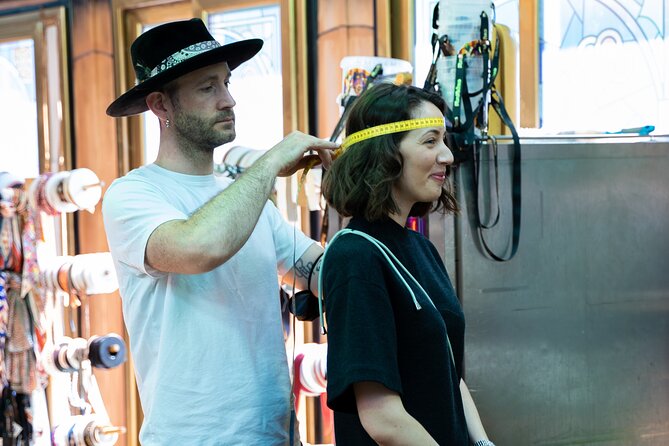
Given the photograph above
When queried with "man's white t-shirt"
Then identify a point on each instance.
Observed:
(208, 349)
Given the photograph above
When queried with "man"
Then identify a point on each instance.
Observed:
(197, 255)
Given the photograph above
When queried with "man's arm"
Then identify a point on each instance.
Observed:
(300, 272)
(217, 230)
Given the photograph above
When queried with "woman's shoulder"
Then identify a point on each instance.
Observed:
(351, 260)
(352, 256)
(352, 247)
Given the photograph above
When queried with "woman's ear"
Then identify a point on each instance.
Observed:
(156, 101)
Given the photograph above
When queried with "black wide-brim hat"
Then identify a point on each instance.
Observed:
(169, 51)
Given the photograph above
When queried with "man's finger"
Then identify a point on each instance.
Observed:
(326, 157)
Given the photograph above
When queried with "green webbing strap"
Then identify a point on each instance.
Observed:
(483, 30)
(461, 91)
(458, 93)
(465, 130)
(485, 52)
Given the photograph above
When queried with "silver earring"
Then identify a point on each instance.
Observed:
(167, 123)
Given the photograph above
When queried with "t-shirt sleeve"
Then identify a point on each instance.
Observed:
(132, 209)
(289, 242)
(362, 342)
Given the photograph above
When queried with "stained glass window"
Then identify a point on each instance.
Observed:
(604, 65)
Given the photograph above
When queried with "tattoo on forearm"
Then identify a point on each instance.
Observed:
(302, 269)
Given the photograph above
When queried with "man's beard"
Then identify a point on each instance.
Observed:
(197, 135)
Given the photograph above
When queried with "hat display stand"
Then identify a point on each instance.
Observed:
(66, 364)
(86, 430)
(69, 360)
(237, 159)
(313, 368)
(92, 273)
(310, 377)
(67, 355)
(66, 191)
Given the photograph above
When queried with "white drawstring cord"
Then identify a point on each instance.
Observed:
(388, 254)
(385, 250)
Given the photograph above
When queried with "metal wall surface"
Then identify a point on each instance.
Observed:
(568, 343)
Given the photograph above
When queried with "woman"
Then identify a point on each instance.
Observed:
(393, 378)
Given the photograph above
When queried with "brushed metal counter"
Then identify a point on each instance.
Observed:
(568, 343)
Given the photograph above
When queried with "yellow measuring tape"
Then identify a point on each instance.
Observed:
(392, 127)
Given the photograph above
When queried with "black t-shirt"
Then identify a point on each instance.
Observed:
(376, 333)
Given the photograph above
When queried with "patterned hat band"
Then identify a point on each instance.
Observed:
(183, 55)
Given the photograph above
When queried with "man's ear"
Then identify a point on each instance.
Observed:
(156, 101)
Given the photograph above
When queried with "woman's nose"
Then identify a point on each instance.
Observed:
(445, 155)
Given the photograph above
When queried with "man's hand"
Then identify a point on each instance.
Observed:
(289, 154)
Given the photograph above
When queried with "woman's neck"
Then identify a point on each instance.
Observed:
(400, 219)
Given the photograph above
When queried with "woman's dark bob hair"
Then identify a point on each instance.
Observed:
(359, 182)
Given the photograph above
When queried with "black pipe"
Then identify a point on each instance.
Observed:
(69, 27)
(312, 64)
(312, 94)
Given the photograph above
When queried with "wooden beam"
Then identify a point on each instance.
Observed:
(529, 63)
(18, 4)
(95, 148)
(403, 28)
